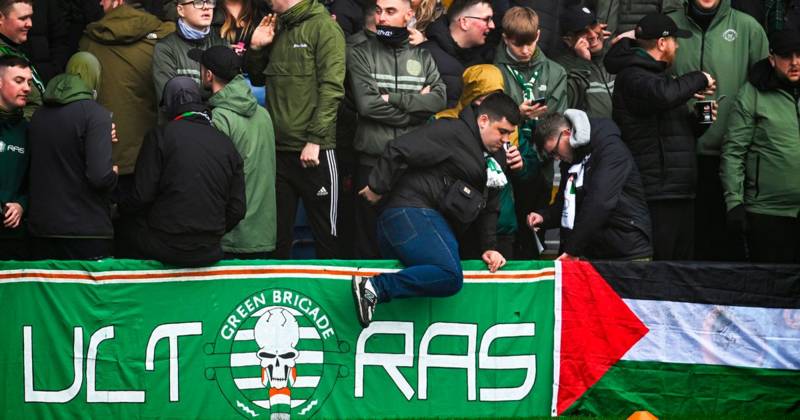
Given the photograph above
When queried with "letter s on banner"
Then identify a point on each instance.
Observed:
(527, 362)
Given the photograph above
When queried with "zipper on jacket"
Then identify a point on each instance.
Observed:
(394, 129)
(758, 172)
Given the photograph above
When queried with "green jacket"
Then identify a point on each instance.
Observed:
(124, 41)
(760, 159)
(237, 114)
(170, 58)
(589, 85)
(733, 42)
(35, 97)
(376, 69)
(13, 163)
(304, 73)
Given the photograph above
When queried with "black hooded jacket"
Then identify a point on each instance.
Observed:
(649, 106)
(452, 60)
(189, 181)
(612, 220)
(413, 168)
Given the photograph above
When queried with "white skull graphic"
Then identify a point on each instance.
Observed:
(277, 334)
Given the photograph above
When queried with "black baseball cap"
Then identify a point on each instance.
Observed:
(575, 19)
(657, 25)
(221, 60)
(785, 42)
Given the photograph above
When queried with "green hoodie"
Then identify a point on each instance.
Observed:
(124, 40)
(67, 88)
(733, 42)
(304, 76)
(237, 114)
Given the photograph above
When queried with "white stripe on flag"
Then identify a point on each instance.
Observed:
(265, 403)
(682, 332)
(305, 333)
(250, 359)
(255, 383)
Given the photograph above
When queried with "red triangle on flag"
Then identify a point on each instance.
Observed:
(597, 329)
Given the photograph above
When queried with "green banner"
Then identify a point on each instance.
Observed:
(131, 339)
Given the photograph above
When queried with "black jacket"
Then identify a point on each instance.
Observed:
(48, 45)
(349, 15)
(189, 181)
(451, 60)
(413, 169)
(612, 220)
(70, 169)
(650, 108)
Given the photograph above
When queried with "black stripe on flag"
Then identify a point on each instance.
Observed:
(768, 286)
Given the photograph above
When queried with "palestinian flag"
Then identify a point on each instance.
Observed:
(678, 339)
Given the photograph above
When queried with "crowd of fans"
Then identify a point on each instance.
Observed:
(136, 129)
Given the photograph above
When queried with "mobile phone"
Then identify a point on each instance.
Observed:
(539, 101)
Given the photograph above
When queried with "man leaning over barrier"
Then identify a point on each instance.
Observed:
(431, 182)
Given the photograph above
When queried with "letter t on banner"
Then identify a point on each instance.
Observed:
(171, 331)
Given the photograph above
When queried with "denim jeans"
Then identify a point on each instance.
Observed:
(422, 240)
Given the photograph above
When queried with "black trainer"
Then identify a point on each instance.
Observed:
(364, 299)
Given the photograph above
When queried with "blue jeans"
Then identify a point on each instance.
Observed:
(422, 240)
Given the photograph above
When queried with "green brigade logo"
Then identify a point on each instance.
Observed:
(275, 356)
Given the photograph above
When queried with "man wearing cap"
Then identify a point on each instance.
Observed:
(189, 187)
(236, 113)
(761, 155)
(725, 43)
(589, 85)
(395, 88)
(650, 108)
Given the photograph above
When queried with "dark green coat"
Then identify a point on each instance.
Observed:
(760, 161)
(124, 40)
(304, 73)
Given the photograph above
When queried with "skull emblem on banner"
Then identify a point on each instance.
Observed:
(277, 334)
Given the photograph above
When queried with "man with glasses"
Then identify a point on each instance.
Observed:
(600, 204)
(457, 41)
(170, 57)
(589, 85)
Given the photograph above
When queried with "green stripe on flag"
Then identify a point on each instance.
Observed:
(669, 389)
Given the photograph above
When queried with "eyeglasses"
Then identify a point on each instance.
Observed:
(487, 20)
(199, 4)
(553, 154)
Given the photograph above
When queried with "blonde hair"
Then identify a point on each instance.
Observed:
(244, 21)
(521, 25)
(426, 12)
